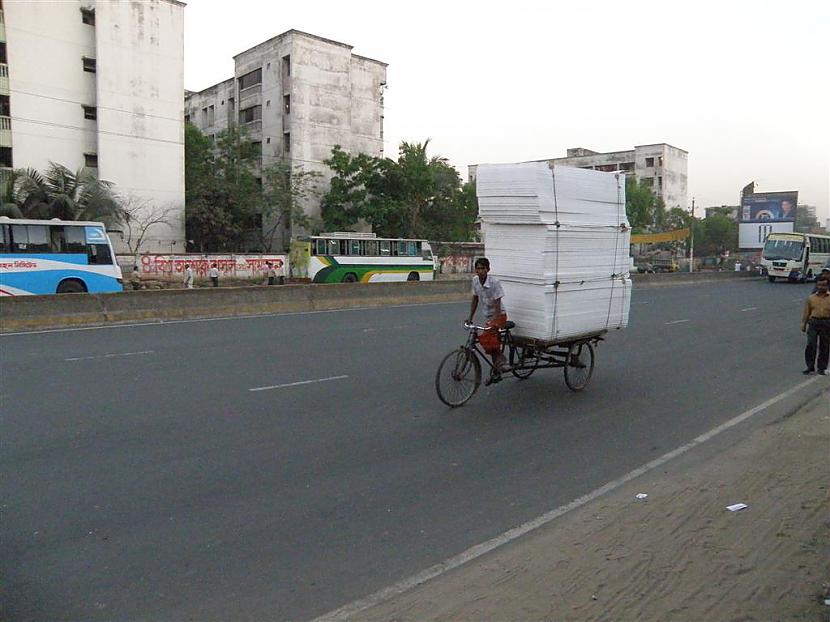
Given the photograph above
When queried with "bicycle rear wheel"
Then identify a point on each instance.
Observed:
(580, 366)
(458, 377)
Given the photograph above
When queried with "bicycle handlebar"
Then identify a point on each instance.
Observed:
(470, 326)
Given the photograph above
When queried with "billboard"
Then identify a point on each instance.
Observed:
(769, 207)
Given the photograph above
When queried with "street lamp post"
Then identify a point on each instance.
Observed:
(692, 237)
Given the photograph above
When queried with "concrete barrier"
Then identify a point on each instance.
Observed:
(33, 312)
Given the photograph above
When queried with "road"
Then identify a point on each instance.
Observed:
(278, 467)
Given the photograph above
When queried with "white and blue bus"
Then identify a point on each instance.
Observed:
(56, 257)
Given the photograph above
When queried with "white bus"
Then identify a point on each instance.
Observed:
(347, 257)
(56, 257)
(794, 256)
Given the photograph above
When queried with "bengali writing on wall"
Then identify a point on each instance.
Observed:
(237, 266)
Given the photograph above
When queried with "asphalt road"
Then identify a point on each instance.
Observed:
(143, 477)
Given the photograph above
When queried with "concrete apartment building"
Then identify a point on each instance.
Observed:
(297, 95)
(98, 84)
(661, 166)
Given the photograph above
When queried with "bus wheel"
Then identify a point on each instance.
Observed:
(771, 279)
(350, 277)
(71, 286)
(413, 276)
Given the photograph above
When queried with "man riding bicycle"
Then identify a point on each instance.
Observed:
(489, 291)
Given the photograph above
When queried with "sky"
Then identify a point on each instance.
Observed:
(744, 87)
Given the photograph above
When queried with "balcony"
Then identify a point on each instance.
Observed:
(4, 79)
(5, 131)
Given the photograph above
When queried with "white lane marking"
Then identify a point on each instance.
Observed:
(223, 318)
(109, 356)
(749, 309)
(374, 330)
(641, 302)
(295, 384)
(677, 322)
(354, 608)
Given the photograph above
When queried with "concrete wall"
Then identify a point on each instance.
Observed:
(137, 90)
(140, 81)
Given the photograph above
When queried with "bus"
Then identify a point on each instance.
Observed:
(348, 257)
(56, 257)
(794, 256)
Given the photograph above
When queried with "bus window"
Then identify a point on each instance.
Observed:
(371, 247)
(74, 240)
(99, 254)
(319, 247)
(384, 248)
(411, 249)
(5, 239)
(344, 247)
(426, 253)
(401, 248)
(355, 247)
(333, 247)
(30, 238)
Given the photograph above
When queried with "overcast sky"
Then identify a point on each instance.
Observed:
(744, 87)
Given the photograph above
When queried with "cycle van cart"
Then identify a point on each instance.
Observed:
(459, 374)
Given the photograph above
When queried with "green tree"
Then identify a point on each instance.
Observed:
(716, 234)
(806, 222)
(646, 212)
(413, 196)
(286, 188)
(223, 197)
(60, 193)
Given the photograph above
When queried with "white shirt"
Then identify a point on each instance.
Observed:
(214, 272)
(488, 294)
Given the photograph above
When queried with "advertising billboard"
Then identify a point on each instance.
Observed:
(769, 207)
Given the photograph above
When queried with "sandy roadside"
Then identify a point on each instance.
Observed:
(677, 555)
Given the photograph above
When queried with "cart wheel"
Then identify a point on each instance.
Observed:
(458, 377)
(579, 366)
(526, 360)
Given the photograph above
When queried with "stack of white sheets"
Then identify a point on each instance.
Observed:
(558, 240)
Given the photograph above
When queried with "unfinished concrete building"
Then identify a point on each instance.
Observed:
(298, 95)
(663, 167)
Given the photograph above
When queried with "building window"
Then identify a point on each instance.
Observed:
(254, 113)
(3, 52)
(187, 118)
(649, 162)
(250, 79)
(268, 103)
(659, 182)
(90, 112)
(286, 66)
(89, 64)
(268, 141)
(210, 115)
(6, 157)
(286, 142)
(660, 161)
(648, 181)
(88, 16)
(286, 104)
(91, 160)
(5, 106)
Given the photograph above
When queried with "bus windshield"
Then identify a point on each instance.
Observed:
(783, 249)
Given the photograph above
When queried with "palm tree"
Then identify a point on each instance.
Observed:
(60, 193)
(8, 206)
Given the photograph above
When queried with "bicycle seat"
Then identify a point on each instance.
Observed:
(508, 325)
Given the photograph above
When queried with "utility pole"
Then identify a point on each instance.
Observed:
(692, 238)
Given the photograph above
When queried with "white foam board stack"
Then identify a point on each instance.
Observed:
(558, 240)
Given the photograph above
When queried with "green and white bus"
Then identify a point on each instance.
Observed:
(348, 257)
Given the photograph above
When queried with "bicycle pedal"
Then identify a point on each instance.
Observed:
(493, 379)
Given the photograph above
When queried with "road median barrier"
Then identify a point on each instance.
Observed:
(67, 310)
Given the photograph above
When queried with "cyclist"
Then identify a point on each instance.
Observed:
(489, 291)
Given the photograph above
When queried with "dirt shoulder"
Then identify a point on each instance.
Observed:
(677, 555)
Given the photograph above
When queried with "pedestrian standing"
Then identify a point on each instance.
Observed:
(815, 321)
(135, 278)
(271, 273)
(188, 276)
(214, 275)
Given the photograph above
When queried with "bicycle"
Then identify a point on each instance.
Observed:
(459, 374)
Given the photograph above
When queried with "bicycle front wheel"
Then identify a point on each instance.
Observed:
(458, 377)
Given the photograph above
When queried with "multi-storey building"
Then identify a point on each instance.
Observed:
(298, 95)
(661, 166)
(98, 84)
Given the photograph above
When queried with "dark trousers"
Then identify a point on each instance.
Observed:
(818, 340)
(215, 280)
